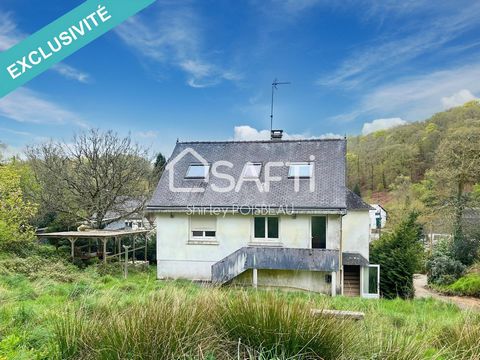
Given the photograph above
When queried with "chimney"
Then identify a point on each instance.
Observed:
(276, 134)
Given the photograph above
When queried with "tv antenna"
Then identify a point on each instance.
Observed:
(275, 83)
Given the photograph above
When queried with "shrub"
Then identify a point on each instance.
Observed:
(399, 254)
(35, 267)
(442, 268)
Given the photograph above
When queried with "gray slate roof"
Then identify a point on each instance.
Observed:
(355, 202)
(329, 167)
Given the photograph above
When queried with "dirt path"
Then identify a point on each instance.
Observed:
(463, 302)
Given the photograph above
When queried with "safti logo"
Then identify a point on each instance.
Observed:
(201, 169)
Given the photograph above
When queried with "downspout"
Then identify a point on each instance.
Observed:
(340, 260)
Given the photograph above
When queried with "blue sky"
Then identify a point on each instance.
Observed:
(201, 70)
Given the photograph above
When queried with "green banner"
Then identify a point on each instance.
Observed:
(61, 38)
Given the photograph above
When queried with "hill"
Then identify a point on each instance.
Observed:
(391, 166)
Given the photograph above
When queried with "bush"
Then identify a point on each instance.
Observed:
(399, 254)
(35, 267)
(442, 267)
(444, 270)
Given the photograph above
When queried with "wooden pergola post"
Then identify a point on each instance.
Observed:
(72, 247)
(119, 248)
(133, 251)
(104, 250)
(146, 244)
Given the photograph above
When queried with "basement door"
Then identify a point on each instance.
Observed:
(319, 232)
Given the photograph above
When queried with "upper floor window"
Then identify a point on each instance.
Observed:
(252, 170)
(197, 171)
(300, 170)
(266, 227)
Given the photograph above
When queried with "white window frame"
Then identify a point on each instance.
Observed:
(266, 238)
(363, 272)
(204, 239)
(206, 172)
(244, 174)
(304, 163)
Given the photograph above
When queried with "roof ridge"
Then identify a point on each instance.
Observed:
(259, 141)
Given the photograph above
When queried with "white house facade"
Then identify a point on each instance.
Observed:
(263, 213)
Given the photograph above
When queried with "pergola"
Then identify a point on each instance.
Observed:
(104, 236)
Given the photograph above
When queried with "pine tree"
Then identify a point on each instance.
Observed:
(399, 254)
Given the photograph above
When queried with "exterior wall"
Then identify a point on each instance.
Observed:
(356, 232)
(180, 257)
(294, 280)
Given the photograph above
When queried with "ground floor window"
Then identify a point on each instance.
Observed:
(203, 227)
(266, 227)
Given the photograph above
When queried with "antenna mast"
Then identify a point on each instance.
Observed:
(275, 83)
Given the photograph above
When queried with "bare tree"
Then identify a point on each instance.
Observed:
(99, 173)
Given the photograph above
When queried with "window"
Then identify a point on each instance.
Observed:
(252, 170)
(300, 170)
(197, 171)
(266, 227)
(203, 227)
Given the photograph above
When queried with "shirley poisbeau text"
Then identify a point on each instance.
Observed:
(64, 39)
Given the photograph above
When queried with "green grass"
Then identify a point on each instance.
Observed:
(89, 316)
(468, 285)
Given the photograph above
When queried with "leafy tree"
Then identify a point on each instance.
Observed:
(96, 174)
(15, 211)
(357, 190)
(158, 167)
(457, 167)
(399, 254)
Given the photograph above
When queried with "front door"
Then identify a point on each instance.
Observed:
(319, 232)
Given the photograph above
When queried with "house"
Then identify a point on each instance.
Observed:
(128, 215)
(378, 220)
(264, 213)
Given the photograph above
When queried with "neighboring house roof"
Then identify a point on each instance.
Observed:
(374, 206)
(355, 202)
(130, 208)
(329, 171)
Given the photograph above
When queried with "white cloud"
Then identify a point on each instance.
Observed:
(24, 105)
(149, 134)
(416, 98)
(175, 39)
(72, 73)
(9, 33)
(248, 133)
(371, 62)
(457, 99)
(381, 124)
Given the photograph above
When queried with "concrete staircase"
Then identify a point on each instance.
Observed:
(273, 258)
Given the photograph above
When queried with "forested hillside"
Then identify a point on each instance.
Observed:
(412, 165)
(375, 161)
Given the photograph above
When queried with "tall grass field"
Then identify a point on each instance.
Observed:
(88, 314)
